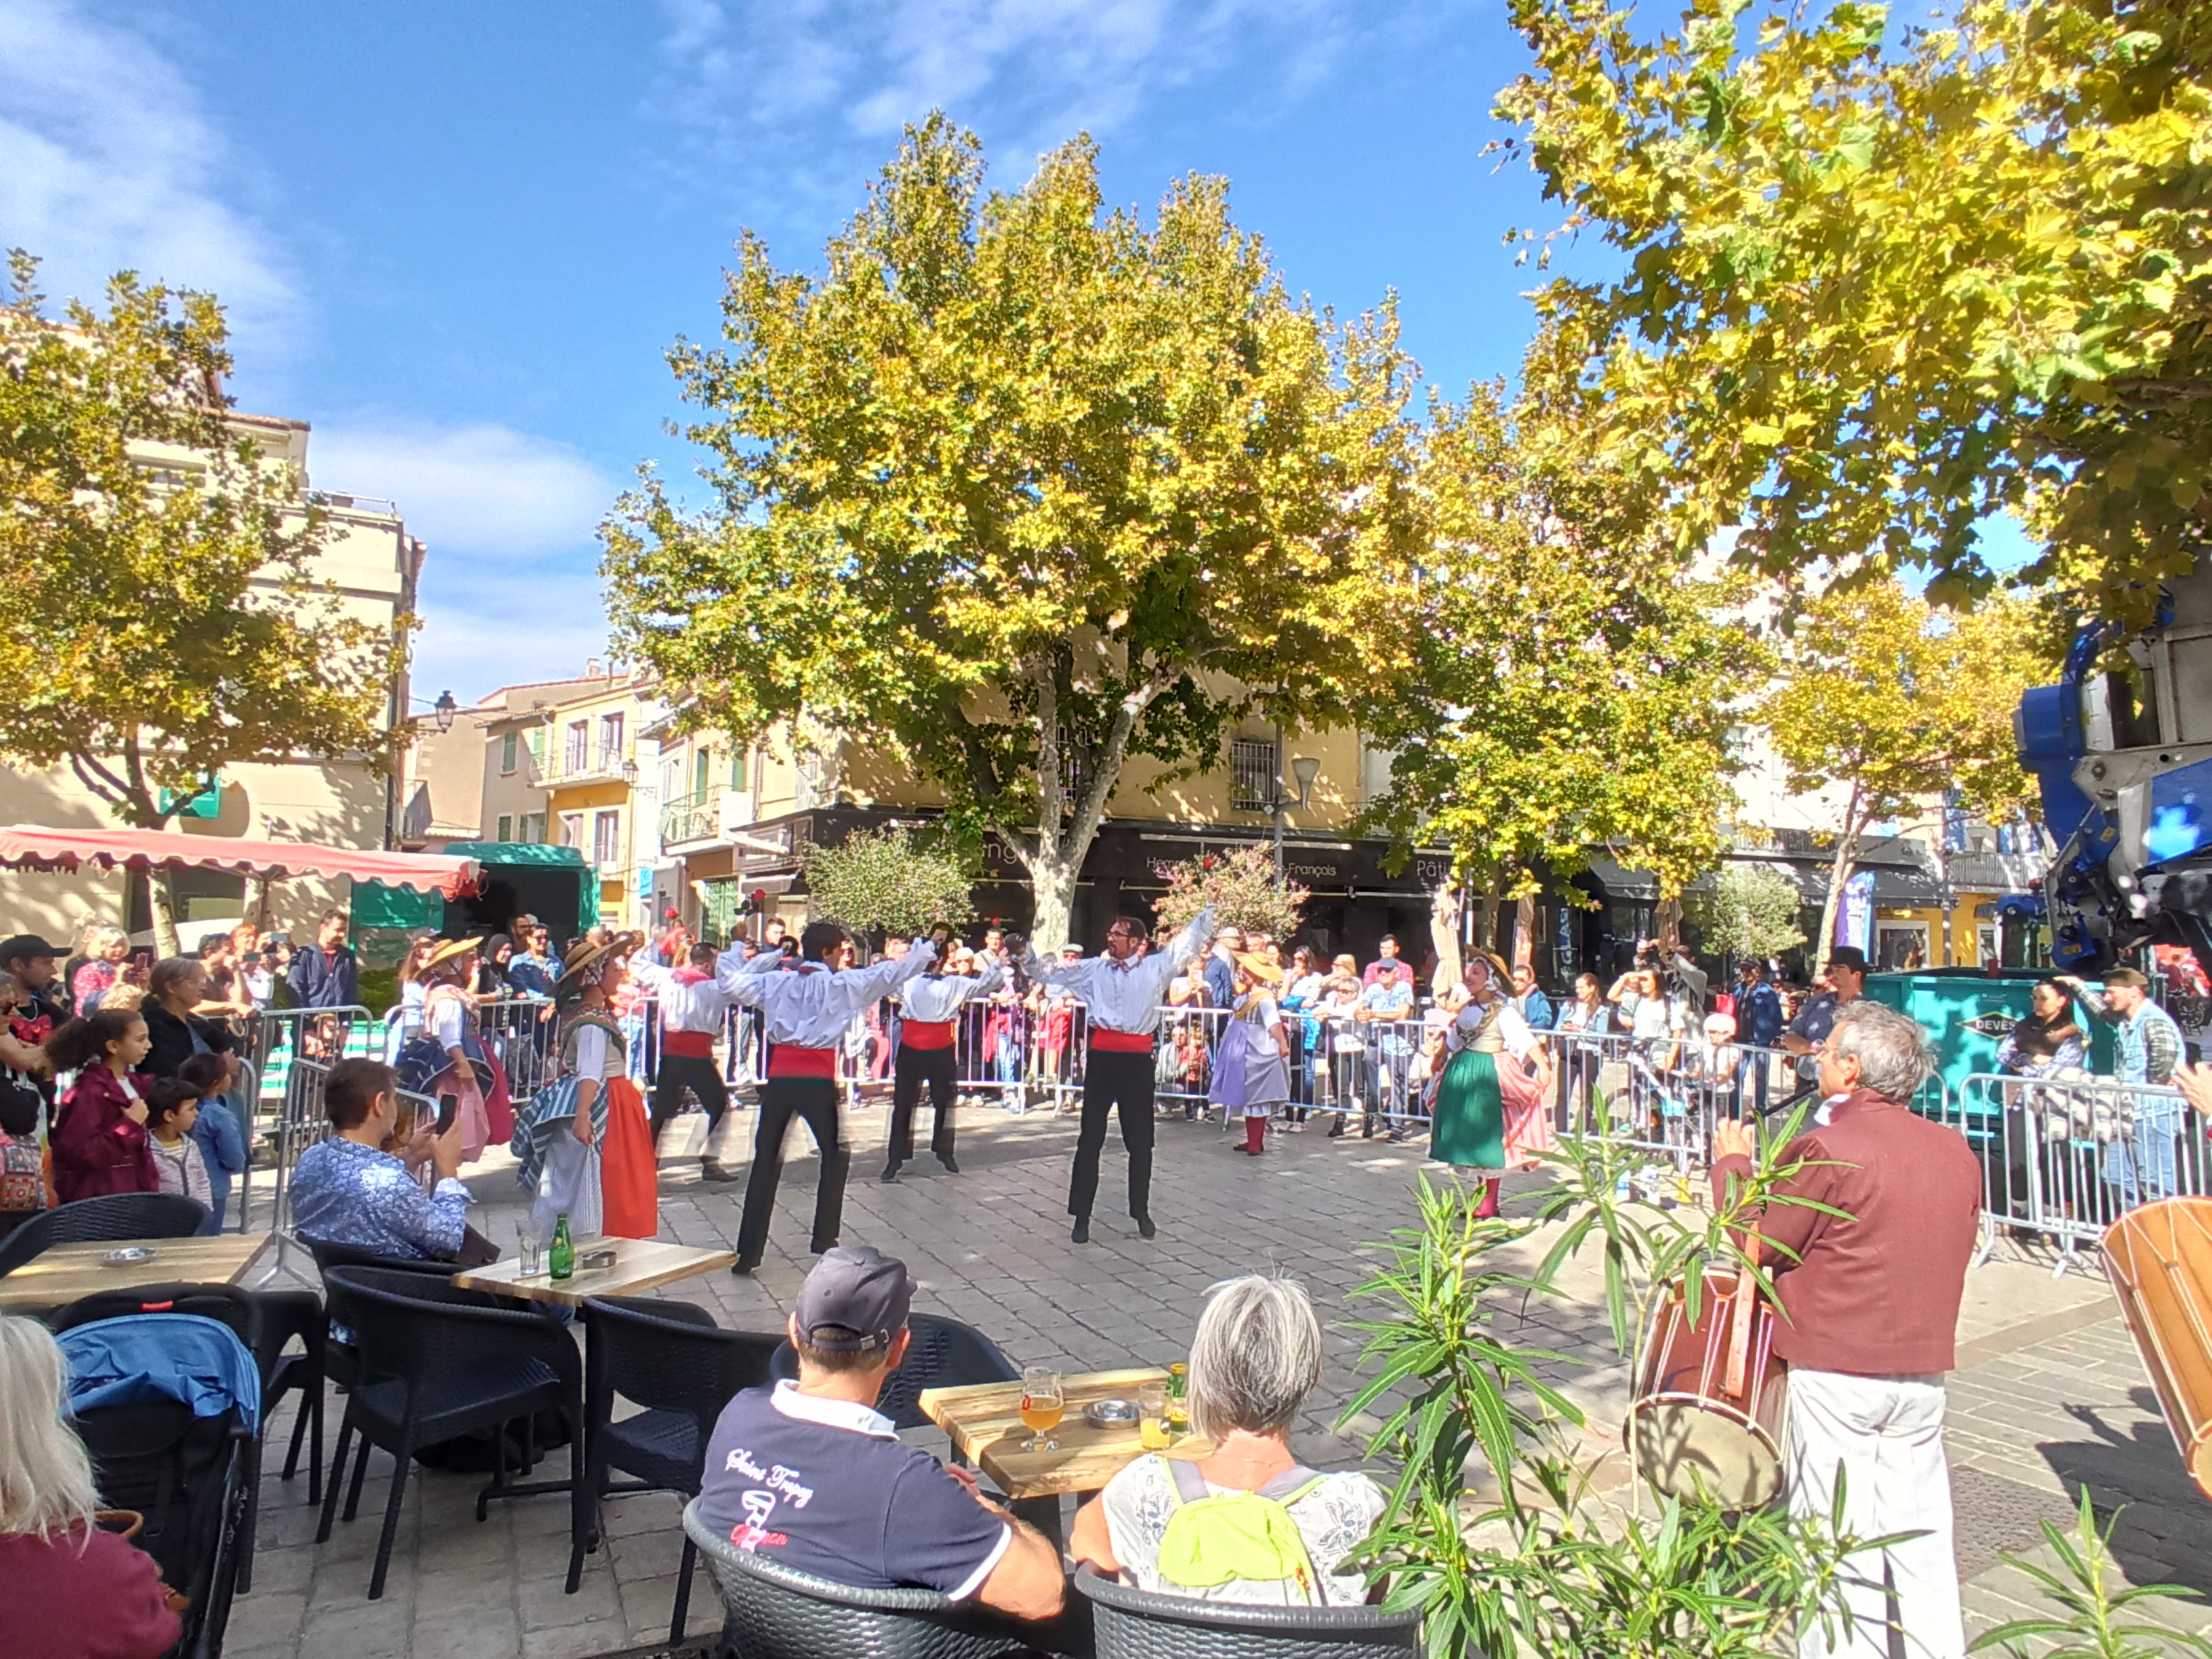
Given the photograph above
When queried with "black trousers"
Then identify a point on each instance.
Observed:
(696, 1072)
(1112, 1082)
(782, 1098)
(913, 1068)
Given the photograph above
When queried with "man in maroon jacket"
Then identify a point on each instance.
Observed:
(1870, 1305)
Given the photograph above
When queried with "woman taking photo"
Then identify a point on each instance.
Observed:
(105, 946)
(586, 1142)
(1491, 1114)
(70, 1586)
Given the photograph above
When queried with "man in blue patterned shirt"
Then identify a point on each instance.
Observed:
(349, 1191)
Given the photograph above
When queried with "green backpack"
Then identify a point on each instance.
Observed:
(1216, 1539)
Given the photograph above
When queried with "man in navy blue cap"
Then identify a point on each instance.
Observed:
(811, 1474)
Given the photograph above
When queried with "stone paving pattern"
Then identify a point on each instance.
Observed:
(2050, 1396)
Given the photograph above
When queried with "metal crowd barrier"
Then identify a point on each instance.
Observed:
(1663, 1095)
(277, 1041)
(301, 1122)
(2064, 1158)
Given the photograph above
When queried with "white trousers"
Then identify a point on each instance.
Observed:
(1886, 1435)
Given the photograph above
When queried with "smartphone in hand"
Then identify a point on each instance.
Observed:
(449, 1108)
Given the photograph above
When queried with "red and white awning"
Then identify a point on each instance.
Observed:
(31, 846)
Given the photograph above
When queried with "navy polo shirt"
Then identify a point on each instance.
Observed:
(826, 1487)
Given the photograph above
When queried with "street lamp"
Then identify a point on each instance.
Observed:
(1305, 768)
(444, 709)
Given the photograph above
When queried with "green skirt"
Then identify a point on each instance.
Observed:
(1470, 1119)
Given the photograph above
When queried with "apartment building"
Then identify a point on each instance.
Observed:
(336, 800)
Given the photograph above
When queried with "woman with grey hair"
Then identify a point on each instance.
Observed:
(69, 1588)
(1188, 1527)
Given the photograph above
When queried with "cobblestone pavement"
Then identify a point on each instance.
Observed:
(2049, 1397)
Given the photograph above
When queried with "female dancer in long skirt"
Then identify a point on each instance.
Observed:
(594, 1105)
(1251, 1079)
(1490, 1110)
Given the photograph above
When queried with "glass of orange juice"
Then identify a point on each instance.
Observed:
(1041, 1406)
(1152, 1416)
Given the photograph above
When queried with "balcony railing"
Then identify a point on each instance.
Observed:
(592, 764)
(691, 818)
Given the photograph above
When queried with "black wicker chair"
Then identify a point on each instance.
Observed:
(116, 1215)
(433, 1362)
(773, 1612)
(1134, 1624)
(672, 1358)
(943, 1354)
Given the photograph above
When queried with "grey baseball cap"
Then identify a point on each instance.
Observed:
(855, 1301)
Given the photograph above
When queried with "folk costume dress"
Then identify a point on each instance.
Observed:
(619, 1162)
(1489, 1114)
(1251, 1078)
(449, 1017)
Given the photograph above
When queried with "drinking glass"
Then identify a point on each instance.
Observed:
(1041, 1406)
(1152, 1416)
(530, 1241)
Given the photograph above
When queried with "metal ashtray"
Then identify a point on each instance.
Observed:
(1111, 1413)
(123, 1258)
(596, 1259)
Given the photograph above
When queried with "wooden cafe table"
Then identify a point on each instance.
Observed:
(641, 1265)
(60, 1273)
(984, 1421)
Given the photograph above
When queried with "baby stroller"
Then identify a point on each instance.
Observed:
(167, 1404)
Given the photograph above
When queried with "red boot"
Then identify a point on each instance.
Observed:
(1254, 1127)
(1488, 1208)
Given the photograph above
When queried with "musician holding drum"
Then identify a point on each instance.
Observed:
(1870, 1305)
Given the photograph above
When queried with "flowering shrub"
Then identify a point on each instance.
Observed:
(1242, 888)
(880, 880)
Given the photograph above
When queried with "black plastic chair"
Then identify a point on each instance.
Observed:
(1134, 1624)
(774, 1612)
(246, 1314)
(942, 1353)
(116, 1215)
(674, 1361)
(434, 1362)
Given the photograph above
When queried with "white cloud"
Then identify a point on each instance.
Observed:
(479, 491)
(108, 163)
(742, 72)
(510, 581)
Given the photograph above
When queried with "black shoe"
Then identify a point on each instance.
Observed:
(946, 1159)
(1081, 1233)
(1144, 1227)
(716, 1172)
(743, 1266)
(1337, 1133)
(821, 1249)
(889, 1174)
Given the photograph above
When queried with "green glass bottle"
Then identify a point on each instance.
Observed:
(561, 1260)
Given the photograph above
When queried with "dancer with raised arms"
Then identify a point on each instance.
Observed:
(807, 1010)
(1122, 991)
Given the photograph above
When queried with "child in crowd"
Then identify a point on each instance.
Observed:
(99, 1139)
(172, 1109)
(217, 1134)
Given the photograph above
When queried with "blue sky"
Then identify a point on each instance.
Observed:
(458, 237)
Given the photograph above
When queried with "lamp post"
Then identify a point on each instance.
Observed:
(1305, 768)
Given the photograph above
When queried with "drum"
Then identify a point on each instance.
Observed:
(2160, 1260)
(1705, 1422)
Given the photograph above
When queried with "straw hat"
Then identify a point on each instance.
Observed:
(585, 956)
(450, 950)
(1260, 968)
(1500, 975)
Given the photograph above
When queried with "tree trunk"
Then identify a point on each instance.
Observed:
(1524, 932)
(1053, 882)
(162, 912)
(1847, 857)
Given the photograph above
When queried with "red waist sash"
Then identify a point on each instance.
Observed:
(787, 1059)
(926, 1033)
(687, 1045)
(1109, 1041)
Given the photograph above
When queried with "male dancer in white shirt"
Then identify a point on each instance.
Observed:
(929, 1021)
(806, 1010)
(695, 1010)
(1123, 991)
